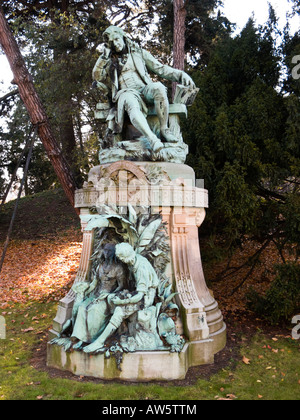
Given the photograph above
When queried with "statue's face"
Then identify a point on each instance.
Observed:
(116, 42)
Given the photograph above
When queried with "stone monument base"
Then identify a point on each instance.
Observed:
(171, 191)
(139, 366)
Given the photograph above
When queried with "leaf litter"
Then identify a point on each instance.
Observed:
(40, 270)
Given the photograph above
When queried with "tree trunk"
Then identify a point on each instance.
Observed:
(35, 108)
(66, 132)
(179, 36)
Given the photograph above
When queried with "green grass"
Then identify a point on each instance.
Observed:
(273, 372)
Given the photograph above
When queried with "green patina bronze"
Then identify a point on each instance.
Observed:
(128, 304)
(141, 124)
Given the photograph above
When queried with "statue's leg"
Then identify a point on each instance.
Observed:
(97, 319)
(139, 121)
(114, 323)
(80, 331)
(66, 325)
(157, 93)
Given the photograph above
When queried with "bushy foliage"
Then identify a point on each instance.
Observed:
(243, 134)
(242, 138)
(282, 300)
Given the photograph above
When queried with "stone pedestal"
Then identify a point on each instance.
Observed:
(169, 189)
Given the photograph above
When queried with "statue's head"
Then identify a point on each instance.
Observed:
(107, 253)
(125, 253)
(115, 37)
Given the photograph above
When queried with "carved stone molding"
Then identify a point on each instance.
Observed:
(126, 182)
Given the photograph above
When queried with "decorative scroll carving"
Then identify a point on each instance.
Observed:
(195, 315)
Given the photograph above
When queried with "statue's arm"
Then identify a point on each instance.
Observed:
(136, 298)
(93, 285)
(120, 285)
(101, 68)
(165, 71)
(132, 300)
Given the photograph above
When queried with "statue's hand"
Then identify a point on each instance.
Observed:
(102, 296)
(80, 289)
(106, 52)
(117, 301)
(187, 81)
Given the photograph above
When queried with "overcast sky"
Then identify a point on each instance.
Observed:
(237, 11)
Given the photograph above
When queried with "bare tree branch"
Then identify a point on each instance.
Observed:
(9, 95)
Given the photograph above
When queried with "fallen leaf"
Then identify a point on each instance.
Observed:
(27, 329)
(246, 361)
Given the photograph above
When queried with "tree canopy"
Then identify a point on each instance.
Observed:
(59, 40)
(240, 134)
(243, 133)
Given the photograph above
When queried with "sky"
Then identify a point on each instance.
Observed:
(237, 11)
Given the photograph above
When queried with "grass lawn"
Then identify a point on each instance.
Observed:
(265, 368)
